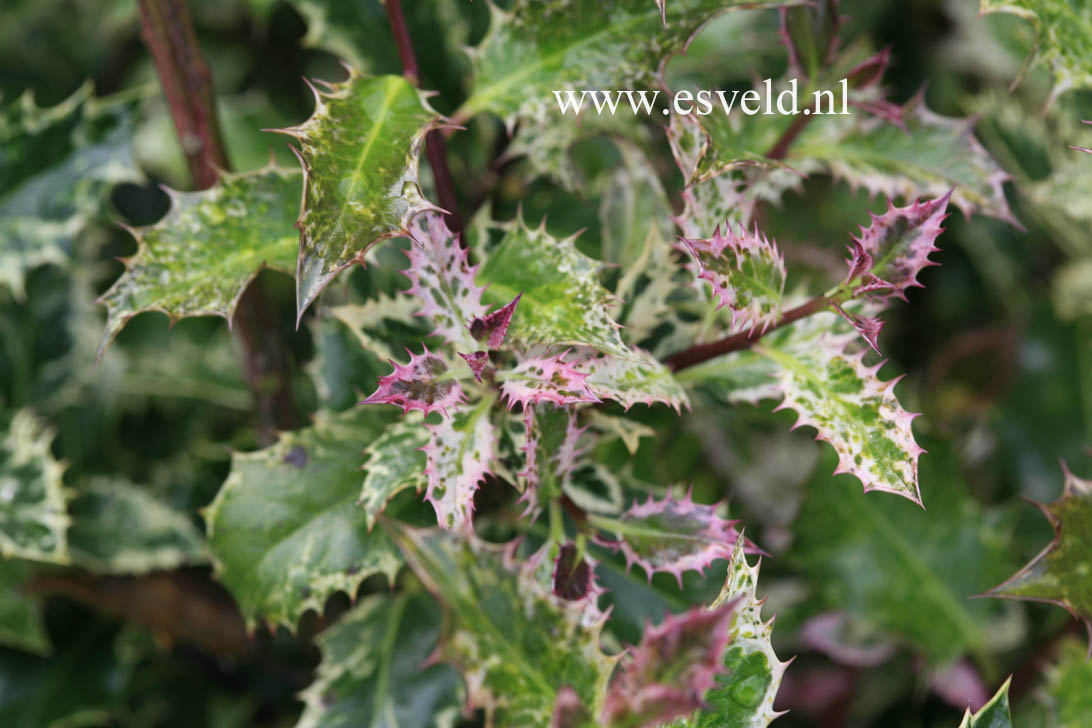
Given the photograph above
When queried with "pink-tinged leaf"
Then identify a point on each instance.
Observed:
(546, 379)
(828, 385)
(477, 362)
(832, 634)
(671, 536)
(746, 271)
(458, 458)
(1061, 573)
(492, 327)
(887, 256)
(551, 448)
(443, 279)
(666, 675)
(569, 711)
(419, 385)
(868, 327)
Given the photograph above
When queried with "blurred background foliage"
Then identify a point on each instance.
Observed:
(870, 593)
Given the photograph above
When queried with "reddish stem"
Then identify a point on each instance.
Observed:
(435, 147)
(187, 82)
(743, 340)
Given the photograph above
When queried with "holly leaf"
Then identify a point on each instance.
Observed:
(1059, 574)
(459, 455)
(21, 624)
(33, 521)
(886, 258)
(120, 528)
(200, 257)
(515, 643)
(670, 536)
(359, 152)
(666, 675)
(375, 668)
(562, 301)
(641, 379)
(371, 321)
(1066, 698)
(743, 694)
(1063, 37)
(56, 170)
(285, 530)
(740, 377)
(396, 461)
(855, 411)
(442, 277)
(908, 575)
(932, 156)
(550, 451)
(536, 48)
(994, 714)
(539, 379)
(424, 384)
(746, 272)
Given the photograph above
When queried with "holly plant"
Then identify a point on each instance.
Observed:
(485, 503)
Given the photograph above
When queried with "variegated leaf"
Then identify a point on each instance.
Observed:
(396, 461)
(563, 302)
(666, 675)
(671, 536)
(886, 258)
(833, 391)
(359, 152)
(57, 167)
(375, 672)
(641, 379)
(443, 279)
(198, 260)
(536, 48)
(1064, 30)
(746, 272)
(285, 530)
(426, 383)
(538, 379)
(550, 450)
(458, 457)
(994, 714)
(932, 156)
(1062, 572)
(743, 695)
(33, 520)
(740, 377)
(517, 645)
(118, 527)
(370, 321)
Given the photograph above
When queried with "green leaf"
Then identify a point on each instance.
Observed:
(285, 530)
(901, 572)
(1066, 698)
(994, 714)
(634, 214)
(21, 623)
(539, 47)
(120, 528)
(55, 171)
(198, 260)
(33, 521)
(359, 152)
(855, 411)
(743, 376)
(396, 461)
(1061, 573)
(1064, 37)
(373, 672)
(563, 301)
(744, 694)
(516, 644)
